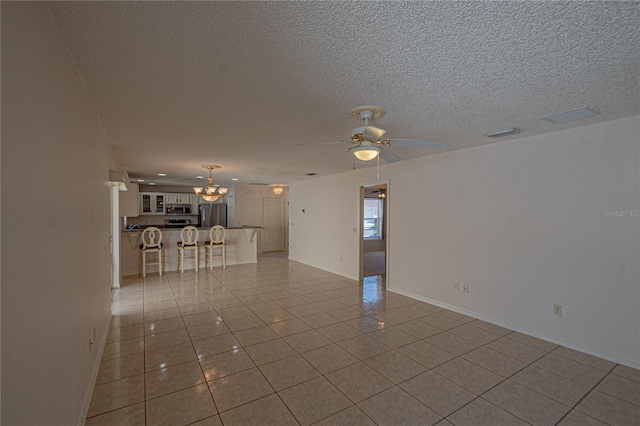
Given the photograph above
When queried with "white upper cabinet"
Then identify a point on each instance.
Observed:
(178, 198)
(152, 203)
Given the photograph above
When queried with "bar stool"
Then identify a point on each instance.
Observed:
(216, 240)
(188, 241)
(151, 243)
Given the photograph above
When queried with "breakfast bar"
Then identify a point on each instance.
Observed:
(241, 247)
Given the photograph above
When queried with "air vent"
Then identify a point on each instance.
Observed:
(505, 132)
(310, 174)
(261, 184)
(574, 114)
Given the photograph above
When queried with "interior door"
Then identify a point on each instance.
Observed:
(272, 224)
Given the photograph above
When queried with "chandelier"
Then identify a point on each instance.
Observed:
(278, 189)
(210, 192)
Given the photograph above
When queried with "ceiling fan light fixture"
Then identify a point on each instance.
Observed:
(366, 152)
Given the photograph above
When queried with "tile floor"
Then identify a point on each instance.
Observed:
(281, 343)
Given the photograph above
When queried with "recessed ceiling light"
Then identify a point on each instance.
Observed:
(152, 183)
(504, 132)
(199, 177)
(574, 114)
(234, 178)
(140, 180)
(162, 174)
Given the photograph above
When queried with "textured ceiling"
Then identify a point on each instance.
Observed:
(244, 84)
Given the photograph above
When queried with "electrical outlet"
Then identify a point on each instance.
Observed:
(465, 288)
(557, 310)
(456, 286)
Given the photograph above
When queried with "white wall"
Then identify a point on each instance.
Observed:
(55, 226)
(248, 207)
(524, 223)
(323, 213)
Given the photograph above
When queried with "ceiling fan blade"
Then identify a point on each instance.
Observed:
(373, 133)
(340, 153)
(388, 156)
(324, 143)
(416, 143)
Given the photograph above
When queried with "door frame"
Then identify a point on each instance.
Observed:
(387, 211)
(114, 234)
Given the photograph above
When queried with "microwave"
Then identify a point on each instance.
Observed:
(178, 209)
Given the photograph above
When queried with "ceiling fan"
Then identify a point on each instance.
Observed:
(369, 141)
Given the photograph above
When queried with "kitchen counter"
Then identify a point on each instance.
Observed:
(241, 246)
(179, 227)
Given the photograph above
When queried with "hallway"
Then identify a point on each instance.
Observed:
(282, 343)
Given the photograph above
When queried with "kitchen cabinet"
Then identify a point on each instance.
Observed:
(178, 198)
(152, 203)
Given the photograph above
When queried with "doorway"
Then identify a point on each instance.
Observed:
(114, 234)
(374, 232)
(272, 224)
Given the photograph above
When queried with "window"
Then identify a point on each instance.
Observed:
(373, 218)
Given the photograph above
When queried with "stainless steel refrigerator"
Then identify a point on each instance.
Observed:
(213, 214)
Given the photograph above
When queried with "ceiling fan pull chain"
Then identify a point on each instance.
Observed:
(378, 175)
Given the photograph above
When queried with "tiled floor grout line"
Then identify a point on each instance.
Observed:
(590, 390)
(240, 284)
(194, 350)
(256, 367)
(277, 393)
(507, 378)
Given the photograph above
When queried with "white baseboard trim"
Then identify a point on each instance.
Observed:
(611, 358)
(94, 373)
(325, 269)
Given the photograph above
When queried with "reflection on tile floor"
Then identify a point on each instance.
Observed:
(278, 343)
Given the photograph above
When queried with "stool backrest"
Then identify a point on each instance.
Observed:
(217, 234)
(151, 237)
(189, 236)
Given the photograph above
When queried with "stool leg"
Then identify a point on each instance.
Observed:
(160, 261)
(144, 264)
(224, 257)
(197, 254)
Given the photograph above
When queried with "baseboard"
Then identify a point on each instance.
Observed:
(628, 363)
(325, 269)
(94, 373)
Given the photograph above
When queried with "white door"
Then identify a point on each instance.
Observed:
(272, 224)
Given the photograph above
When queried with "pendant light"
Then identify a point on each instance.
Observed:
(210, 192)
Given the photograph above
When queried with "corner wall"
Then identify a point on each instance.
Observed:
(248, 208)
(526, 223)
(55, 226)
